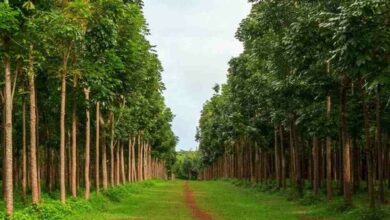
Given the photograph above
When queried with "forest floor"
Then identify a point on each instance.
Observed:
(199, 200)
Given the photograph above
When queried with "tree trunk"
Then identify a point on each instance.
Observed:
(97, 148)
(129, 176)
(74, 139)
(24, 151)
(277, 158)
(133, 168)
(345, 142)
(368, 147)
(378, 143)
(104, 160)
(62, 130)
(117, 164)
(316, 166)
(328, 154)
(8, 183)
(33, 134)
(122, 165)
(112, 154)
(87, 144)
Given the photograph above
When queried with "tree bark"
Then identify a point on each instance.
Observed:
(33, 134)
(97, 148)
(62, 130)
(87, 145)
(122, 165)
(368, 147)
(24, 151)
(74, 139)
(378, 143)
(328, 154)
(112, 160)
(316, 166)
(345, 142)
(8, 161)
(104, 159)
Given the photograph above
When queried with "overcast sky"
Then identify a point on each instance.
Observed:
(195, 40)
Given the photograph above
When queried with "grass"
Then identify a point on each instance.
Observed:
(152, 199)
(242, 200)
(223, 200)
(164, 200)
(149, 200)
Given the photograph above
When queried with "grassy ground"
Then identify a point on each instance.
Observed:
(152, 200)
(226, 201)
(237, 200)
(223, 200)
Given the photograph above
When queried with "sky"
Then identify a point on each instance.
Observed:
(195, 41)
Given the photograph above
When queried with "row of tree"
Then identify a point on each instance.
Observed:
(74, 68)
(187, 165)
(307, 101)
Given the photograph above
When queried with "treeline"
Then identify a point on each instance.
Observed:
(81, 99)
(188, 165)
(308, 101)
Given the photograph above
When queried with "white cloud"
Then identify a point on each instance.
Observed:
(195, 40)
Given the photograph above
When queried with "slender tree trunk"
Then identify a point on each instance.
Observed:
(283, 174)
(112, 154)
(24, 152)
(74, 139)
(97, 148)
(369, 153)
(345, 143)
(316, 166)
(104, 159)
(378, 143)
(62, 130)
(328, 154)
(129, 160)
(8, 183)
(87, 145)
(33, 134)
(277, 158)
(117, 164)
(122, 165)
(133, 168)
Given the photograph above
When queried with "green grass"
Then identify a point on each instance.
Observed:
(152, 199)
(223, 200)
(149, 200)
(164, 200)
(239, 200)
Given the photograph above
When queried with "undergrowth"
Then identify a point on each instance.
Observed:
(319, 207)
(51, 208)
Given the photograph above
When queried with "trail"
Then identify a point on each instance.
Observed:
(190, 201)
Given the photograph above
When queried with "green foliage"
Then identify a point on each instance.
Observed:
(9, 19)
(187, 165)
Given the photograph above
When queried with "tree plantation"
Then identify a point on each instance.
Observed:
(300, 129)
(306, 105)
(81, 99)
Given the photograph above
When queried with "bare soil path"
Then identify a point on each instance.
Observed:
(197, 213)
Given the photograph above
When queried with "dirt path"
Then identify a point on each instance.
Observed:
(197, 213)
